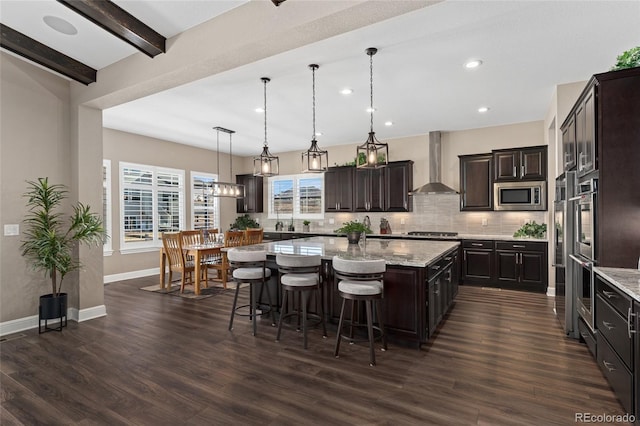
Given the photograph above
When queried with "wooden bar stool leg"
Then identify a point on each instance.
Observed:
(324, 327)
(303, 296)
(353, 314)
(381, 325)
(271, 307)
(252, 310)
(372, 354)
(282, 313)
(235, 303)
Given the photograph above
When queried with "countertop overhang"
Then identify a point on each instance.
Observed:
(626, 279)
(458, 237)
(414, 253)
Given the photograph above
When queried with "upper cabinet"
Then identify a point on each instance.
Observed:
(369, 190)
(385, 189)
(338, 192)
(520, 164)
(579, 135)
(476, 184)
(253, 191)
(399, 182)
(569, 143)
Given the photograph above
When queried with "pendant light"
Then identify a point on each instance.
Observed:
(372, 154)
(226, 189)
(314, 160)
(266, 164)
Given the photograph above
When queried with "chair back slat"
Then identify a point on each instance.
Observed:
(172, 242)
(190, 238)
(253, 236)
(234, 238)
(211, 235)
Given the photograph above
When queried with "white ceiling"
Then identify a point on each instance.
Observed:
(420, 83)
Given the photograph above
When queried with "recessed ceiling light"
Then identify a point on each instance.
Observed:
(60, 25)
(346, 91)
(259, 110)
(483, 109)
(388, 123)
(369, 110)
(473, 63)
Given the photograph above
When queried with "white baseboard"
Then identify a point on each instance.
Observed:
(73, 314)
(130, 275)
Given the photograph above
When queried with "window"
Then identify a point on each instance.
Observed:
(205, 208)
(297, 196)
(106, 206)
(152, 203)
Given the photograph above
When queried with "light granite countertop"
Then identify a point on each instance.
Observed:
(420, 237)
(418, 253)
(625, 279)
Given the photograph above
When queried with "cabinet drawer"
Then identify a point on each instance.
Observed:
(478, 244)
(620, 302)
(436, 268)
(613, 327)
(520, 246)
(586, 335)
(616, 372)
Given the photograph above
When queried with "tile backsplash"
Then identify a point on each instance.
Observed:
(434, 212)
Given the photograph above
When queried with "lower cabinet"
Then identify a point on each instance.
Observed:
(615, 340)
(522, 265)
(477, 262)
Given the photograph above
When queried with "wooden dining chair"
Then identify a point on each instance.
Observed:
(215, 261)
(234, 238)
(253, 236)
(172, 243)
(191, 238)
(211, 235)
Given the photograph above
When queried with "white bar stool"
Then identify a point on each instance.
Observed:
(300, 275)
(250, 266)
(360, 281)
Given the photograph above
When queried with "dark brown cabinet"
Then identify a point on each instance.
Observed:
(253, 192)
(398, 177)
(477, 262)
(569, 144)
(614, 340)
(369, 192)
(585, 128)
(520, 164)
(521, 265)
(338, 189)
(476, 183)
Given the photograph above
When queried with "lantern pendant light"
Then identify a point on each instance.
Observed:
(226, 189)
(266, 164)
(372, 154)
(314, 160)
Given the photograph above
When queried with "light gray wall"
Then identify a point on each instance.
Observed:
(34, 142)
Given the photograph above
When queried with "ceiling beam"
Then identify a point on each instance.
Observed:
(120, 23)
(37, 52)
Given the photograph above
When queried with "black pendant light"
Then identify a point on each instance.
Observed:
(226, 189)
(314, 160)
(372, 154)
(266, 164)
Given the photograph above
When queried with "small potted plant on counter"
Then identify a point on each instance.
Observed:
(353, 229)
(305, 225)
(531, 230)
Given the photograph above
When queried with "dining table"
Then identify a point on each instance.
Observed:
(198, 252)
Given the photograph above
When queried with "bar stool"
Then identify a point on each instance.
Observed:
(300, 275)
(360, 281)
(250, 266)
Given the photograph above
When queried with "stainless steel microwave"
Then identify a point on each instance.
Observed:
(525, 195)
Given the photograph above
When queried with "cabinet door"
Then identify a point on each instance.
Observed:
(506, 165)
(338, 192)
(398, 177)
(368, 195)
(477, 266)
(253, 194)
(476, 184)
(507, 266)
(569, 144)
(533, 268)
(587, 156)
(403, 302)
(533, 164)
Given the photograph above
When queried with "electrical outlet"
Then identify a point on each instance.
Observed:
(321, 223)
(331, 221)
(402, 221)
(485, 222)
(11, 230)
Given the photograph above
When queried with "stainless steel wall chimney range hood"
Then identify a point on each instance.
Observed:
(435, 168)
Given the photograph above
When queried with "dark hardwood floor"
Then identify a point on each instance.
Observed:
(499, 359)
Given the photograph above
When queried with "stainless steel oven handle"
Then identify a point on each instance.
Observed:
(581, 262)
(579, 197)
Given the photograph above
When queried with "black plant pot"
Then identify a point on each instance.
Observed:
(52, 307)
(353, 237)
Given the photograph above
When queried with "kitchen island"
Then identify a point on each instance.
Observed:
(420, 283)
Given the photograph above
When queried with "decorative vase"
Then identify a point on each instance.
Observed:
(353, 237)
(52, 307)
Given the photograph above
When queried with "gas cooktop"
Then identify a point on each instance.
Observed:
(433, 233)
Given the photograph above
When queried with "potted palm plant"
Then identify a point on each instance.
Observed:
(49, 241)
(354, 230)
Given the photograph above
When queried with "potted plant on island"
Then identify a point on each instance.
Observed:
(353, 229)
(49, 241)
(305, 225)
